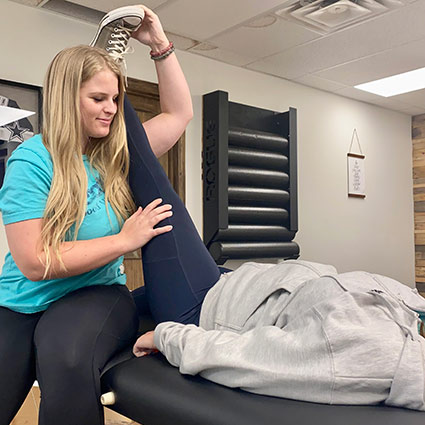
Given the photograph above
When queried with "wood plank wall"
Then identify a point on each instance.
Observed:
(418, 138)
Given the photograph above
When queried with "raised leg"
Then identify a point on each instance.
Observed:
(178, 268)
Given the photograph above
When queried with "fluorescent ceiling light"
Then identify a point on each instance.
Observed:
(397, 84)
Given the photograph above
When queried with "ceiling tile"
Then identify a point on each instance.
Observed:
(385, 102)
(365, 39)
(412, 110)
(414, 98)
(390, 62)
(73, 10)
(181, 43)
(291, 64)
(390, 103)
(357, 94)
(203, 19)
(32, 3)
(223, 56)
(319, 83)
(261, 42)
(106, 6)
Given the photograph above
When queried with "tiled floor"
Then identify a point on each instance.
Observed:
(28, 413)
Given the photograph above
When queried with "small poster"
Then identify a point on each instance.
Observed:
(356, 175)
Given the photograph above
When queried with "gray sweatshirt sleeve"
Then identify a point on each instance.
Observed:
(258, 361)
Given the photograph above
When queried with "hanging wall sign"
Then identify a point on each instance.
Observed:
(356, 170)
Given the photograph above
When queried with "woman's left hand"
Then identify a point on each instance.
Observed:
(145, 345)
(151, 32)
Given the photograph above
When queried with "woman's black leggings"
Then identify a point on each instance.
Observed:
(66, 347)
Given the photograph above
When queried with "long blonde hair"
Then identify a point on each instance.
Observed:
(62, 137)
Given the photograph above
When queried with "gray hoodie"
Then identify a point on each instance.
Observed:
(299, 330)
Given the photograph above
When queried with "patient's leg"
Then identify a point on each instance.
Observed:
(177, 267)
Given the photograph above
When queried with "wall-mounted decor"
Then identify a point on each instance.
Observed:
(356, 170)
(250, 180)
(21, 96)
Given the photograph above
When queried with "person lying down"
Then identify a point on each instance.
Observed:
(299, 330)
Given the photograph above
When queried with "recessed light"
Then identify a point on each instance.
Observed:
(396, 84)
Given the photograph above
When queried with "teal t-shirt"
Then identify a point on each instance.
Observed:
(23, 197)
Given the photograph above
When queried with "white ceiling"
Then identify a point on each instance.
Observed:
(225, 30)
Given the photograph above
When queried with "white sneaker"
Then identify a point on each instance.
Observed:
(115, 29)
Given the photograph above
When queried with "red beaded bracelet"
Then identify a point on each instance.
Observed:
(163, 51)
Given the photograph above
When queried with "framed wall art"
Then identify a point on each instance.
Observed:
(356, 175)
(356, 170)
(24, 97)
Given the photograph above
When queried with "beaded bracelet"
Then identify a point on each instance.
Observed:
(162, 54)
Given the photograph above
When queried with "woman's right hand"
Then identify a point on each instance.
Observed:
(140, 228)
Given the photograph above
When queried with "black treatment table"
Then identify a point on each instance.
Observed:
(152, 392)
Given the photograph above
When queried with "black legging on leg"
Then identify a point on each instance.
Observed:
(177, 267)
(71, 342)
(17, 362)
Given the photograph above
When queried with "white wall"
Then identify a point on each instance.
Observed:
(374, 234)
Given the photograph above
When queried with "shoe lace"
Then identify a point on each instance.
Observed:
(118, 47)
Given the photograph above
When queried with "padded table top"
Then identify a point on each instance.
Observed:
(152, 392)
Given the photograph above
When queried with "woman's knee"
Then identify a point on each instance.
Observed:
(85, 330)
(62, 352)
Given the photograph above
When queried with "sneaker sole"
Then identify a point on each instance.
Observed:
(113, 15)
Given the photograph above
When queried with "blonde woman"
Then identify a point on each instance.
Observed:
(70, 216)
